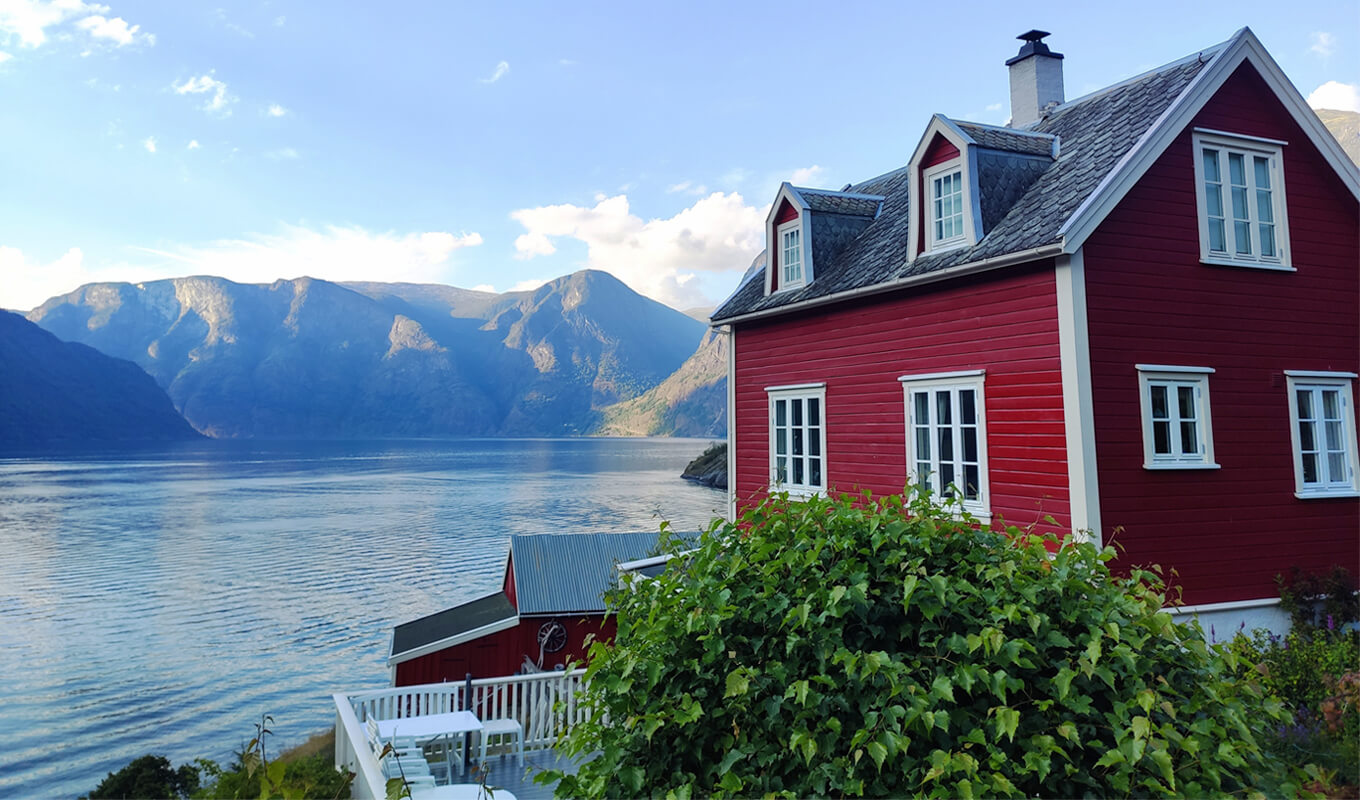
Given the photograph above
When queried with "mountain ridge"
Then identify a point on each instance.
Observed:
(312, 358)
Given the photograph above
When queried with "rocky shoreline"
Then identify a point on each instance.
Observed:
(709, 469)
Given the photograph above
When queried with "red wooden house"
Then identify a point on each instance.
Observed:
(551, 599)
(1135, 312)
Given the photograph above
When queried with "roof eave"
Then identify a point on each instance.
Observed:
(970, 268)
(452, 641)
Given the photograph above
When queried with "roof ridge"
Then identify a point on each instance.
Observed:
(840, 193)
(1003, 128)
(890, 173)
(1204, 55)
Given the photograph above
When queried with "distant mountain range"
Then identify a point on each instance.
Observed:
(55, 391)
(1345, 126)
(310, 358)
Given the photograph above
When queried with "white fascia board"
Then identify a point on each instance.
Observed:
(1243, 47)
(731, 423)
(451, 641)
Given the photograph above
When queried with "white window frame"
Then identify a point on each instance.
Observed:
(971, 380)
(784, 281)
(964, 236)
(1174, 378)
(1249, 146)
(1337, 486)
(799, 393)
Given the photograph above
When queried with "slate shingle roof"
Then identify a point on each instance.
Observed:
(1094, 133)
(1014, 141)
(839, 203)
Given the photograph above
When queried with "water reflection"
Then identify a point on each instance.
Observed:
(159, 600)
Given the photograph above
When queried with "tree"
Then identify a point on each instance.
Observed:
(881, 647)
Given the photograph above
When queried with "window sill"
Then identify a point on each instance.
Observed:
(1158, 466)
(798, 493)
(1228, 262)
(1345, 493)
(793, 287)
(945, 247)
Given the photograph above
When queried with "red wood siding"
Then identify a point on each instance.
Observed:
(502, 653)
(940, 151)
(509, 586)
(1005, 322)
(1227, 532)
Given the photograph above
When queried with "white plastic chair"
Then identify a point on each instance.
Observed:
(503, 728)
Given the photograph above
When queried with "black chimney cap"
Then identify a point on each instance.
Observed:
(1033, 46)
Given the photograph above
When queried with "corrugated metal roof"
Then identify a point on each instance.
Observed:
(565, 572)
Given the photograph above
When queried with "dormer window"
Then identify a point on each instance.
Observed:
(791, 254)
(946, 205)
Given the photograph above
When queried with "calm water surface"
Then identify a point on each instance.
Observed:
(161, 600)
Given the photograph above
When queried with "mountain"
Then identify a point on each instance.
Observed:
(691, 402)
(310, 358)
(52, 391)
(1345, 126)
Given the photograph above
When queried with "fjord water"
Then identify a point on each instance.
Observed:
(160, 600)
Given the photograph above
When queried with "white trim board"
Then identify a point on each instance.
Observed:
(1074, 350)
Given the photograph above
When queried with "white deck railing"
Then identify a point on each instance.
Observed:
(532, 700)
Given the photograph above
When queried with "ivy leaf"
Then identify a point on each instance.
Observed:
(738, 682)
(877, 752)
(942, 688)
(1112, 756)
(1163, 761)
(1007, 719)
(1140, 727)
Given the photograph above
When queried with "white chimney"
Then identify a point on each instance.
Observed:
(1036, 80)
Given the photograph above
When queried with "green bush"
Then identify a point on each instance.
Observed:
(875, 647)
(148, 776)
(1293, 666)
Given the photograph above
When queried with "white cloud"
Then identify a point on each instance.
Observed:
(484, 287)
(30, 21)
(218, 99)
(193, 145)
(276, 110)
(502, 69)
(336, 253)
(150, 144)
(566, 62)
(660, 258)
(1336, 95)
(279, 22)
(5, 57)
(806, 176)
(28, 284)
(282, 154)
(687, 187)
(1324, 44)
(115, 30)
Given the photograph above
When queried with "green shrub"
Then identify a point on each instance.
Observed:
(1293, 666)
(874, 647)
(148, 776)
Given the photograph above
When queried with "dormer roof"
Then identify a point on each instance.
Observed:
(1042, 189)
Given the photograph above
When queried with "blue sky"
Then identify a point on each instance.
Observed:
(497, 145)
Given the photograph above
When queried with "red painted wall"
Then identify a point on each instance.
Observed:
(1005, 322)
(509, 585)
(940, 151)
(1228, 531)
(502, 653)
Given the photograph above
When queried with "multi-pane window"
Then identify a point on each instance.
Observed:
(1241, 201)
(1175, 407)
(946, 207)
(1323, 421)
(791, 255)
(798, 439)
(947, 437)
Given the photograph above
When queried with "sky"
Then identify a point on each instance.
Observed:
(499, 145)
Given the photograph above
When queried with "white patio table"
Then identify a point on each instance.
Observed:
(429, 727)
